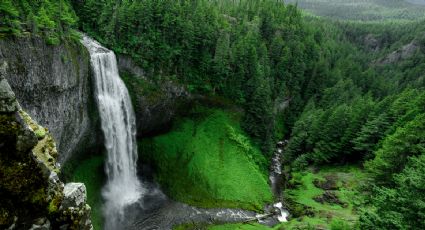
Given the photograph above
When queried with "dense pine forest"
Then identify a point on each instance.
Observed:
(215, 84)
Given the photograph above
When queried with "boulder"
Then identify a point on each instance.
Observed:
(8, 102)
(74, 195)
(41, 224)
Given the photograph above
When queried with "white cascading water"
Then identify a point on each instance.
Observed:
(276, 180)
(119, 129)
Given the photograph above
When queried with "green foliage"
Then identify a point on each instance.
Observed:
(207, 161)
(368, 112)
(346, 181)
(340, 225)
(52, 19)
(9, 22)
(139, 86)
(40, 133)
(366, 10)
(370, 134)
(252, 52)
(258, 119)
(345, 104)
(400, 206)
(359, 104)
(324, 135)
(391, 158)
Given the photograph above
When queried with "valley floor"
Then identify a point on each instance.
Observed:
(326, 198)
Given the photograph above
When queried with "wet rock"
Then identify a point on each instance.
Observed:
(41, 224)
(74, 195)
(126, 64)
(329, 197)
(74, 207)
(8, 102)
(330, 183)
(156, 101)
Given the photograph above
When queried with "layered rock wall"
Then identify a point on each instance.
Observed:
(53, 84)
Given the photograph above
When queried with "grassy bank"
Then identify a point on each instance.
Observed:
(206, 160)
(327, 197)
(310, 207)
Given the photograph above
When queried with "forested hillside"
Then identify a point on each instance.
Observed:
(365, 10)
(252, 52)
(345, 97)
(50, 19)
(372, 115)
(350, 102)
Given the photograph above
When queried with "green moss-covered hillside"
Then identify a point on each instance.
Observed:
(208, 161)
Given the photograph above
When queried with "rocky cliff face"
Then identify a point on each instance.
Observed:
(31, 194)
(403, 53)
(52, 83)
(156, 101)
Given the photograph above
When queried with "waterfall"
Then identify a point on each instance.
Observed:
(119, 129)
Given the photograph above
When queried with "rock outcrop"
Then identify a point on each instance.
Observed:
(403, 53)
(371, 43)
(31, 194)
(156, 101)
(52, 84)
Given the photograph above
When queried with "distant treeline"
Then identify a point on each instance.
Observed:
(365, 10)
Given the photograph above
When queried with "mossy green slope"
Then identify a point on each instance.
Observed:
(207, 161)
